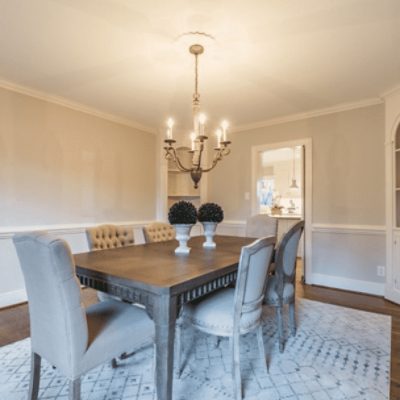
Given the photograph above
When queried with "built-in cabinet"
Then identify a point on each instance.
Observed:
(180, 184)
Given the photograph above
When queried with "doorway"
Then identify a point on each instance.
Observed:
(282, 188)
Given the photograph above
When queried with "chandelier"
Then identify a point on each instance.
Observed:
(198, 137)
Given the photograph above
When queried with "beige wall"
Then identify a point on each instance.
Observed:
(348, 166)
(60, 166)
(348, 199)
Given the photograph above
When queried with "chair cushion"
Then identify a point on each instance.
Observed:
(214, 314)
(271, 294)
(114, 328)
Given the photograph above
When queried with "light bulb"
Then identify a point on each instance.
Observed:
(170, 123)
(202, 119)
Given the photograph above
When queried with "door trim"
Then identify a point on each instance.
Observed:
(307, 143)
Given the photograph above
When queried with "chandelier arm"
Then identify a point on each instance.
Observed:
(217, 157)
(172, 152)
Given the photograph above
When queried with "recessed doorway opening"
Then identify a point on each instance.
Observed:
(281, 188)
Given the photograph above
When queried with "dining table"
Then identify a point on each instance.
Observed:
(153, 275)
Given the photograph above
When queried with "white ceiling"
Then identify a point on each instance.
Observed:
(271, 58)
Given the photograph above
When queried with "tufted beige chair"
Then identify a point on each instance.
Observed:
(104, 237)
(158, 232)
(109, 237)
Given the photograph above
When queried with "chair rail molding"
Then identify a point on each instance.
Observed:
(350, 229)
(12, 289)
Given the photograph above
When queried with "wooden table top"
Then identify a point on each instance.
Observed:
(156, 268)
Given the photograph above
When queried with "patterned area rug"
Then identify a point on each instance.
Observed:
(338, 353)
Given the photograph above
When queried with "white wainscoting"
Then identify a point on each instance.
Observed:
(12, 288)
(344, 256)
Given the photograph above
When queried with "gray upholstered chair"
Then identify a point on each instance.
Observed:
(261, 225)
(71, 337)
(281, 287)
(158, 232)
(233, 312)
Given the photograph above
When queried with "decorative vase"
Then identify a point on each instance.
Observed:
(182, 236)
(209, 232)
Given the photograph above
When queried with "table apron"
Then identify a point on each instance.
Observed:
(141, 296)
(201, 290)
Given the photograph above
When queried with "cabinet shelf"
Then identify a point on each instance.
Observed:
(193, 196)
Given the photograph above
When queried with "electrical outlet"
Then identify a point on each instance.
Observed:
(380, 270)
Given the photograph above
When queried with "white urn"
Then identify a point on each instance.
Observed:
(182, 235)
(209, 232)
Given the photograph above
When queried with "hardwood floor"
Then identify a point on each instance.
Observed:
(14, 321)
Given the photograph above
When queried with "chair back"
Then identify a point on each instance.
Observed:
(109, 236)
(59, 330)
(286, 254)
(261, 225)
(252, 277)
(158, 232)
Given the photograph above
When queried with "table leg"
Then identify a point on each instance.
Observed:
(164, 316)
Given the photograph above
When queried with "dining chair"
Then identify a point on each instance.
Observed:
(108, 236)
(158, 232)
(71, 337)
(232, 312)
(261, 225)
(281, 287)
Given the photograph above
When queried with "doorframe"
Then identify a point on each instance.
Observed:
(307, 143)
(392, 292)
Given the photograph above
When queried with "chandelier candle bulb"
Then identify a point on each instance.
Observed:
(219, 136)
(224, 128)
(170, 124)
(202, 121)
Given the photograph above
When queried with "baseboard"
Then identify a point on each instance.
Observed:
(12, 298)
(353, 285)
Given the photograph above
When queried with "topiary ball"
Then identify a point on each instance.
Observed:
(182, 212)
(210, 212)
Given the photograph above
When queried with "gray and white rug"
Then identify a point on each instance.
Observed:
(338, 353)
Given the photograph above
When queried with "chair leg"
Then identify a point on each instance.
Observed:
(75, 389)
(279, 320)
(179, 349)
(217, 342)
(292, 318)
(237, 380)
(261, 347)
(35, 376)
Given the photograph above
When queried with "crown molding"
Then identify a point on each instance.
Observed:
(392, 91)
(310, 114)
(61, 101)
